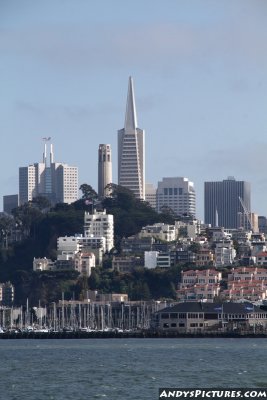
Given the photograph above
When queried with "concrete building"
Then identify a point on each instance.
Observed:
(203, 277)
(43, 264)
(57, 182)
(159, 231)
(224, 253)
(67, 247)
(84, 262)
(10, 202)
(262, 224)
(198, 292)
(151, 259)
(177, 194)
(125, 264)
(104, 169)
(131, 150)
(151, 195)
(100, 224)
(223, 202)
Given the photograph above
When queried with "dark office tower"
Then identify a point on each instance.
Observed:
(131, 149)
(224, 201)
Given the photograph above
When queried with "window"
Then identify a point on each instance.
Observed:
(165, 325)
(173, 325)
(165, 316)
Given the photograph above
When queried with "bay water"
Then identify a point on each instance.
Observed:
(121, 369)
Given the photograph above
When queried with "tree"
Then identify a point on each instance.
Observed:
(41, 202)
(88, 193)
(7, 223)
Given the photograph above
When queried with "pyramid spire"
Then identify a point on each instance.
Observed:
(130, 116)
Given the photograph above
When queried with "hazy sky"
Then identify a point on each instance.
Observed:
(200, 79)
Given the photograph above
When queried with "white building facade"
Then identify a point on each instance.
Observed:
(177, 194)
(100, 224)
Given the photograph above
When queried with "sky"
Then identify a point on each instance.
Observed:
(200, 78)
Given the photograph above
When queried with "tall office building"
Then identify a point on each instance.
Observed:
(223, 202)
(104, 169)
(131, 148)
(57, 182)
(151, 195)
(10, 202)
(178, 194)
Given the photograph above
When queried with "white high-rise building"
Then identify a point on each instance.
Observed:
(104, 169)
(56, 181)
(178, 194)
(131, 150)
(100, 224)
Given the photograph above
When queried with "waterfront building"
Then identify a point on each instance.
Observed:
(131, 150)
(104, 169)
(58, 182)
(178, 195)
(10, 202)
(225, 201)
(99, 223)
(203, 317)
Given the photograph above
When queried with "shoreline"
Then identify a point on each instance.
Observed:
(130, 335)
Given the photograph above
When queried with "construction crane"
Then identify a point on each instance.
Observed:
(246, 213)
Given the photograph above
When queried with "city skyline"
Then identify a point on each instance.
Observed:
(199, 73)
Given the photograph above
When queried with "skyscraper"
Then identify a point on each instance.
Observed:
(223, 202)
(131, 148)
(178, 194)
(104, 169)
(57, 182)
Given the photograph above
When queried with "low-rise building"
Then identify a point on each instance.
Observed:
(224, 253)
(159, 231)
(84, 262)
(43, 264)
(204, 257)
(198, 292)
(203, 277)
(204, 317)
(125, 264)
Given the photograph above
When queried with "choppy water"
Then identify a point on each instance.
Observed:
(120, 369)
